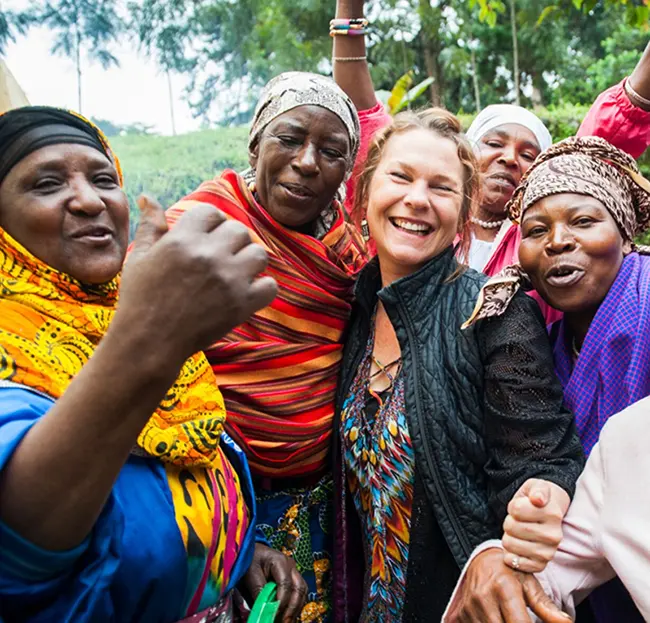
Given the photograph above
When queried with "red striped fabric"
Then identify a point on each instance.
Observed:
(278, 371)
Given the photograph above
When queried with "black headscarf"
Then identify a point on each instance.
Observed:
(24, 130)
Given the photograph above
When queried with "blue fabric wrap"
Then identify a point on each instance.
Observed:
(133, 565)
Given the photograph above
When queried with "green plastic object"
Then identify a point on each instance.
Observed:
(265, 607)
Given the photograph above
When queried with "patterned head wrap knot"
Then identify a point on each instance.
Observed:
(588, 166)
(296, 88)
(585, 166)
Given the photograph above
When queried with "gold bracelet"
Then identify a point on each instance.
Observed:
(349, 59)
(631, 92)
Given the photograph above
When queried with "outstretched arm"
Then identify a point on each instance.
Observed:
(352, 76)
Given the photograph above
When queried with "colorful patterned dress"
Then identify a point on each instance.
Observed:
(379, 463)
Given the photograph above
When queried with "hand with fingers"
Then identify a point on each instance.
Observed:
(491, 592)
(270, 565)
(195, 282)
(532, 531)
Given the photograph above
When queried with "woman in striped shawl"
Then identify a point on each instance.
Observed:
(278, 371)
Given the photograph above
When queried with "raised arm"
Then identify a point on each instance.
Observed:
(621, 114)
(639, 81)
(180, 291)
(353, 76)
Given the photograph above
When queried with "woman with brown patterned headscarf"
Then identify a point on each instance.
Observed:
(581, 206)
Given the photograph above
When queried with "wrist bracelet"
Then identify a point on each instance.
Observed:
(349, 59)
(354, 21)
(347, 33)
(639, 98)
(348, 27)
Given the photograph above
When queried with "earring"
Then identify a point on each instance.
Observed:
(252, 187)
(365, 231)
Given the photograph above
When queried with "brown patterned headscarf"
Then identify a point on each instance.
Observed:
(586, 166)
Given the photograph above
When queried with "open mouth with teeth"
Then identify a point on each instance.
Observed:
(561, 276)
(410, 227)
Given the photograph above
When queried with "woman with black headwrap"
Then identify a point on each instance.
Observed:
(121, 498)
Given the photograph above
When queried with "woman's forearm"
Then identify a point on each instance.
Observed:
(56, 483)
(180, 291)
(639, 80)
(353, 76)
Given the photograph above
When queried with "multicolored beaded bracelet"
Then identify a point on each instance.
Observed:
(348, 27)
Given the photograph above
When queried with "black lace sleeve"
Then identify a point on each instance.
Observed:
(530, 433)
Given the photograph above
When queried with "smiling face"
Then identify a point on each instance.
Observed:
(65, 205)
(300, 162)
(572, 249)
(414, 200)
(504, 155)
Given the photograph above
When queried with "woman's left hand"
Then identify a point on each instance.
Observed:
(270, 565)
(532, 530)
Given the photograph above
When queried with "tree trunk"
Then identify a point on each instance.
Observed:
(78, 59)
(537, 96)
(429, 28)
(477, 92)
(433, 72)
(515, 51)
(171, 102)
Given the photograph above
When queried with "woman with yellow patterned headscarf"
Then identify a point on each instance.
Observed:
(121, 498)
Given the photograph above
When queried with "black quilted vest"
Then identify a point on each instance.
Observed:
(445, 413)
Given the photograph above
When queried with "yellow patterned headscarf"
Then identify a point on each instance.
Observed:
(50, 324)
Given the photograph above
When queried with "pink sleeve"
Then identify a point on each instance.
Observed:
(370, 120)
(614, 118)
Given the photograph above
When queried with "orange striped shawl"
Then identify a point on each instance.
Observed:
(278, 371)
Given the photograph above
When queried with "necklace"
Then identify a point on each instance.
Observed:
(575, 349)
(486, 224)
(384, 368)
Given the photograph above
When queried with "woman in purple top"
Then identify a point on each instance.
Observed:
(581, 206)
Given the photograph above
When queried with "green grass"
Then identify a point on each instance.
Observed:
(170, 167)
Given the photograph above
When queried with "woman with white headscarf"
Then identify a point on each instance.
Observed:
(506, 138)
(278, 371)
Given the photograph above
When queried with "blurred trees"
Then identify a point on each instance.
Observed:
(477, 52)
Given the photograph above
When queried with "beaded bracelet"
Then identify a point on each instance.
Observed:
(639, 98)
(349, 59)
(348, 27)
(354, 21)
(347, 33)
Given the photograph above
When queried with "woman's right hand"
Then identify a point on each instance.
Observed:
(191, 285)
(491, 591)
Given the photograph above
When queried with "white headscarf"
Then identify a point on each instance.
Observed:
(501, 114)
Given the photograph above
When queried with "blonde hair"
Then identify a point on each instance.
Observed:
(445, 125)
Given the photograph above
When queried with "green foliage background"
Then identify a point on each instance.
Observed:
(169, 168)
